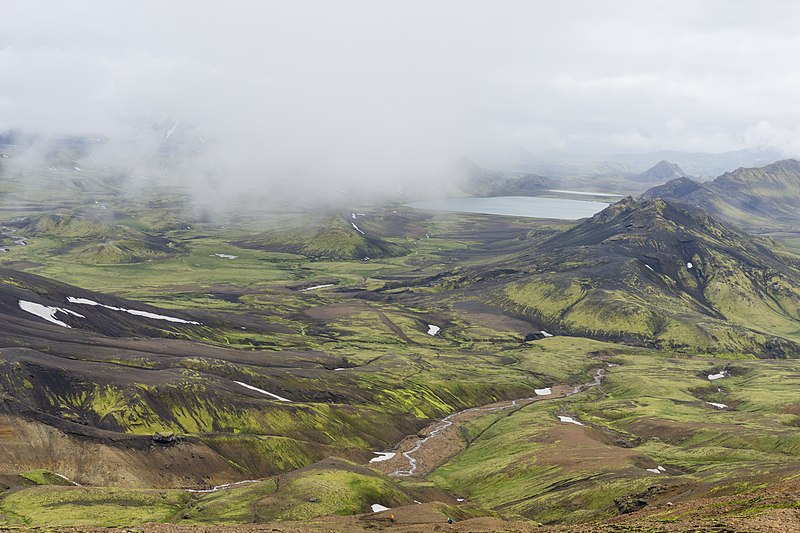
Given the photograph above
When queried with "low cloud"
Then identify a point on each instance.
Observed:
(319, 96)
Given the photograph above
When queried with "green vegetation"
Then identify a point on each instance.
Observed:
(83, 506)
(650, 411)
(45, 477)
(652, 273)
(354, 356)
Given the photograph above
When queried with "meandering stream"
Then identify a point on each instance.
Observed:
(443, 424)
(449, 420)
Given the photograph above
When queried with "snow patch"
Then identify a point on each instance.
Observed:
(648, 266)
(546, 335)
(222, 487)
(47, 312)
(382, 456)
(377, 508)
(86, 301)
(262, 391)
(547, 391)
(721, 375)
(569, 420)
(433, 330)
(146, 314)
(65, 478)
(160, 317)
(718, 405)
(357, 228)
(315, 287)
(653, 470)
(225, 256)
(689, 265)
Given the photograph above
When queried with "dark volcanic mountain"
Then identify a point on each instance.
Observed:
(661, 172)
(756, 199)
(652, 272)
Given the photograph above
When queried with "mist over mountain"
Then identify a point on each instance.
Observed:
(315, 100)
(568, 164)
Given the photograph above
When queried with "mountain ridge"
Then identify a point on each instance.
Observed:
(756, 199)
(659, 274)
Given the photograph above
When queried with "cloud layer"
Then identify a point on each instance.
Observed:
(342, 93)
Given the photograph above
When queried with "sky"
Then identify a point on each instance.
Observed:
(354, 90)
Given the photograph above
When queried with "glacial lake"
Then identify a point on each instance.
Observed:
(517, 206)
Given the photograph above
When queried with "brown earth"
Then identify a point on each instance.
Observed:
(426, 518)
(344, 309)
(773, 508)
(29, 445)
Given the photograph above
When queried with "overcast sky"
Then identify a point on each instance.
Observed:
(347, 87)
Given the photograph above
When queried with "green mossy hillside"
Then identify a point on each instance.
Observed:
(332, 238)
(654, 274)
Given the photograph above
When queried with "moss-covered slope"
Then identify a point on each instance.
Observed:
(757, 199)
(332, 238)
(651, 272)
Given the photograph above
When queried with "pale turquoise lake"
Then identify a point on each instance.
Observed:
(517, 206)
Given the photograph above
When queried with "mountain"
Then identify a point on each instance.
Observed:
(653, 273)
(661, 172)
(756, 199)
(349, 237)
(564, 165)
(702, 163)
(92, 240)
(481, 181)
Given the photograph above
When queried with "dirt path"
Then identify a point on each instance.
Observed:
(421, 453)
(394, 327)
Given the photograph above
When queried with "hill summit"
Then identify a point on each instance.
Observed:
(654, 272)
(662, 171)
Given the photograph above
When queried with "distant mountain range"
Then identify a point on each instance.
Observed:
(485, 182)
(756, 199)
(558, 165)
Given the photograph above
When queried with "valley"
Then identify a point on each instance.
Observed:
(600, 373)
